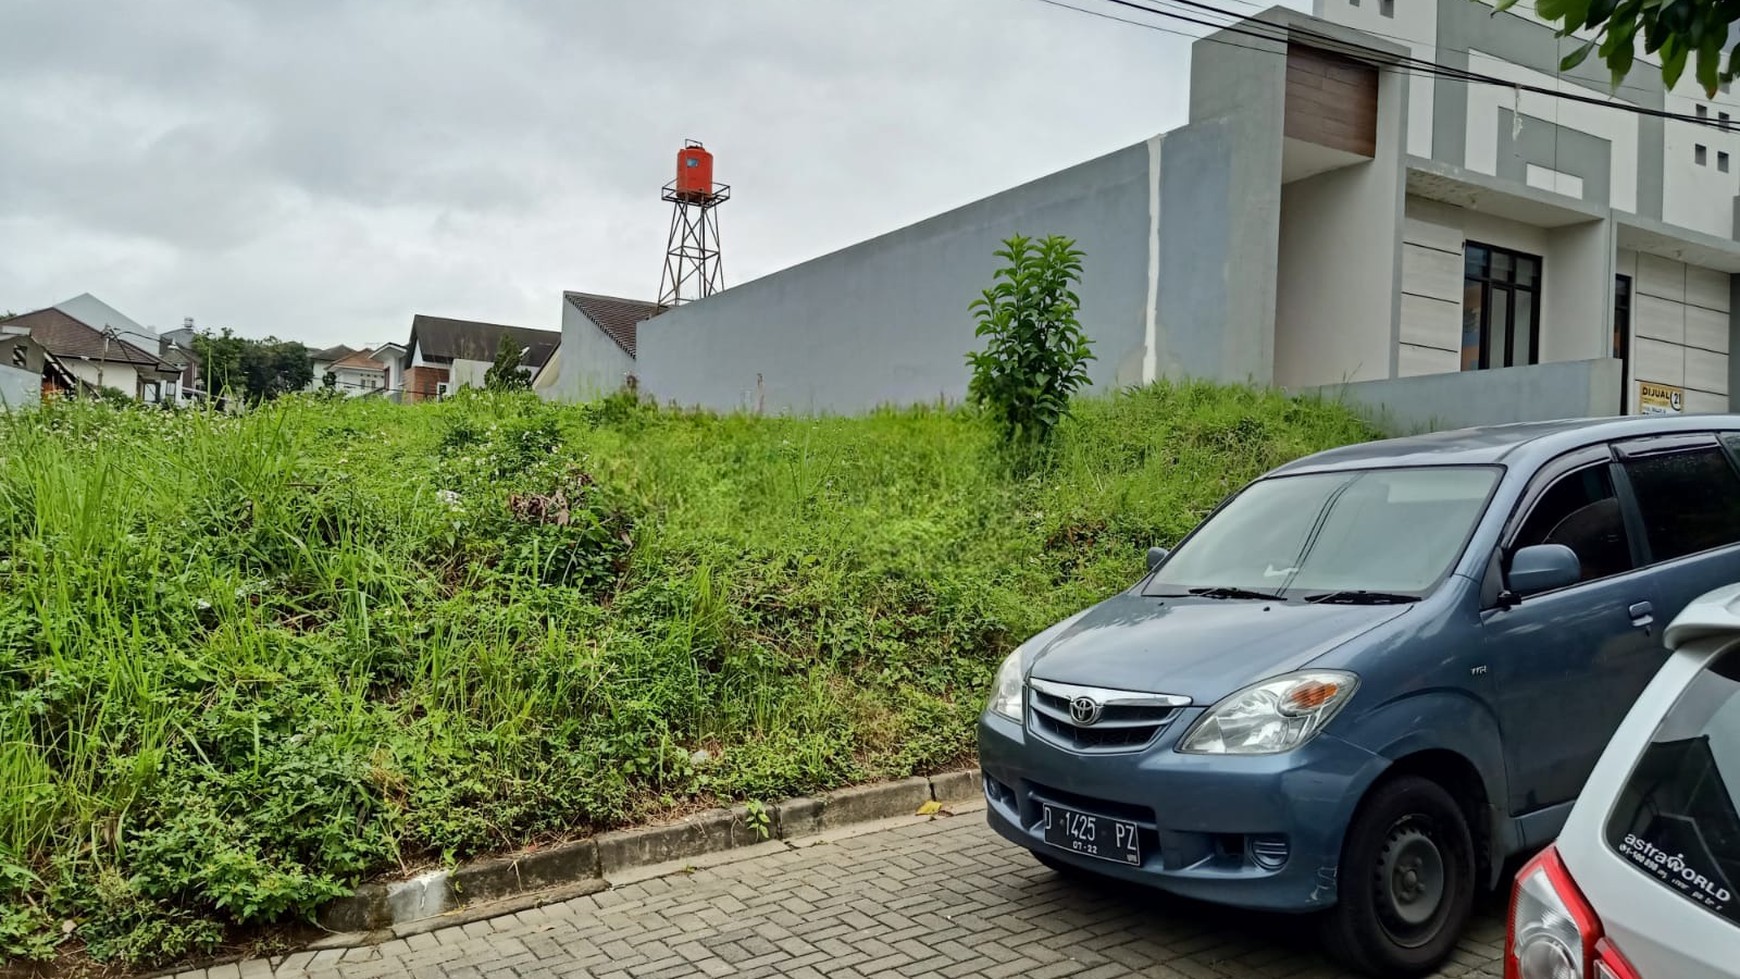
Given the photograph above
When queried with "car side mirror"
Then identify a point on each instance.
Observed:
(1155, 556)
(1543, 567)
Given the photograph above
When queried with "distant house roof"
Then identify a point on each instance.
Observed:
(619, 318)
(361, 360)
(331, 355)
(68, 338)
(441, 339)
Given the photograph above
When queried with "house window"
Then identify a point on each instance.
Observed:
(1722, 119)
(18, 355)
(1699, 154)
(1722, 161)
(1501, 308)
(1703, 111)
(1387, 8)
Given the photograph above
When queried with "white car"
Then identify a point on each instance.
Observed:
(1644, 880)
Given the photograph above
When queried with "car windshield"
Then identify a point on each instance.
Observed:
(1678, 818)
(1381, 534)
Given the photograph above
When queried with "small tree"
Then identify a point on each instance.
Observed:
(505, 374)
(1036, 354)
(329, 380)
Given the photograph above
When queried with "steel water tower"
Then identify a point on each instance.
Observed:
(692, 265)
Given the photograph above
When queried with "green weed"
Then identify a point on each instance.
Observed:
(249, 661)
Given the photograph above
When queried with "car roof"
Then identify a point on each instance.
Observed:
(1715, 613)
(1521, 443)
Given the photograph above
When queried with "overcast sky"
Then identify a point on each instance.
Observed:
(321, 170)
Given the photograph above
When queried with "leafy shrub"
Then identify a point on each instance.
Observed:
(1036, 353)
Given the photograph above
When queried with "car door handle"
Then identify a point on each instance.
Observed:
(1642, 613)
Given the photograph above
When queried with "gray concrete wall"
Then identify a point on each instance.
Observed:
(1579, 292)
(1220, 215)
(886, 321)
(1340, 266)
(1436, 402)
(18, 388)
(593, 365)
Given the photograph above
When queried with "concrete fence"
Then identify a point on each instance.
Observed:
(19, 389)
(1440, 402)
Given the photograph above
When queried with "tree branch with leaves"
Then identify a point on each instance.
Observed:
(1680, 32)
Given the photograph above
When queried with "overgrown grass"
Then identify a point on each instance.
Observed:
(248, 661)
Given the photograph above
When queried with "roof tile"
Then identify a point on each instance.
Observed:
(618, 318)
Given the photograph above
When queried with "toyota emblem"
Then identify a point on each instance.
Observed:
(1084, 711)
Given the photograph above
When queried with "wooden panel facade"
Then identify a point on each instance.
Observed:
(1331, 100)
(420, 383)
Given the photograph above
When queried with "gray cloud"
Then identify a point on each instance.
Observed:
(322, 169)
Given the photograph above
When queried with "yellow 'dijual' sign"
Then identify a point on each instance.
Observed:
(1660, 399)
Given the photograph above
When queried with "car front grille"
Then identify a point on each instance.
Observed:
(1126, 721)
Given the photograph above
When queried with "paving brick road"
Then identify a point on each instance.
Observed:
(943, 898)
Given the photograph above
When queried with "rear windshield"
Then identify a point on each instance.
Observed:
(1678, 819)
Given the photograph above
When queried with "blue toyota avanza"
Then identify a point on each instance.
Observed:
(1369, 678)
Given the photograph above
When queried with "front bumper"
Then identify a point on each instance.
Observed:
(1249, 831)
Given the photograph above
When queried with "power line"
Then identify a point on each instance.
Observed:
(1408, 64)
(1642, 60)
(1434, 67)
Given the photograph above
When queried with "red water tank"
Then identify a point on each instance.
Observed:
(694, 172)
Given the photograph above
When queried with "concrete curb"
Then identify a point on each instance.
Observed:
(501, 885)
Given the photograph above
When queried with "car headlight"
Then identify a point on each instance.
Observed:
(1278, 714)
(1006, 696)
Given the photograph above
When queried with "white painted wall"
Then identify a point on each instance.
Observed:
(1339, 260)
(1693, 196)
(1484, 101)
(394, 362)
(353, 382)
(1679, 329)
(121, 376)
(1335, 302)
(467, 373)
(592, 364)
(1577, 304)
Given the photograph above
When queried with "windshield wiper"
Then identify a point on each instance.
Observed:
(1361, 597)
(1223, 591)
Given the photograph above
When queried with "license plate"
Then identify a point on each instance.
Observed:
(1090, 835)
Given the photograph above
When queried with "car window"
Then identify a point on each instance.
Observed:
(1678, 818)
(1690, 501)
(1376, 530)
(1581, 512)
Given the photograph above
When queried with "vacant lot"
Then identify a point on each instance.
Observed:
(248, 661)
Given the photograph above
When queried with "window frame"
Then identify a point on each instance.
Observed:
(1674, 443)
(1547, 476)
(1624, 295)
(1489, 286)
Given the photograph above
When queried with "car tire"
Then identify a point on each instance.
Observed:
(1406, 881)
